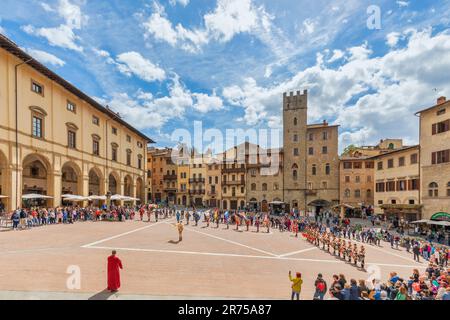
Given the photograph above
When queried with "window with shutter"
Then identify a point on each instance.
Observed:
(433, 158)
(434, 129)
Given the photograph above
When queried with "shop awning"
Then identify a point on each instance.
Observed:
(276, 202)
(420, 221)
(319, 203)
(441, 216)
(440, 223)
(343, 205)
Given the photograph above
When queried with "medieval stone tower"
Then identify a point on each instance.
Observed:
(295, 114)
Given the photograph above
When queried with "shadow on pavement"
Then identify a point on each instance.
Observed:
(173, 242)
(103, 295)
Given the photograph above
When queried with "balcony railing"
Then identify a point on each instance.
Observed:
(197, 180)
(170, 177)
(233, 183)
(212, 193)
(233, 170)
(197, 192)
(311, 192)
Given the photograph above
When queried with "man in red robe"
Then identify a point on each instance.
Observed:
(114, 266)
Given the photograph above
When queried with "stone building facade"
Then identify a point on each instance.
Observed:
(233, 170)
(310, 161)
(356, 174)
(213, 183)
(55, 139)
(357, 181)
(157, 168)
(265, 180)
(435, 159)
(397, 183)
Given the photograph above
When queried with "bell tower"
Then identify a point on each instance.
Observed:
(295, 114)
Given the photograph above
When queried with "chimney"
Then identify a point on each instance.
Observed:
(325, 123)
(441, 100)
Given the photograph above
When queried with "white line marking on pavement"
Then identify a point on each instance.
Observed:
(241, 256)
(122, 234)
(233, 242)
(296, 252)
(210, 254)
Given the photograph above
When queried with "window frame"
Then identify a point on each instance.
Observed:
(38, 84)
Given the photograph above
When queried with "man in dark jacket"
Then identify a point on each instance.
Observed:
(354, 290)
(416, 251)
(15, 219)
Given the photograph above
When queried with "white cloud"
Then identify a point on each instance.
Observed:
(184, 3)
(47, 7)
(64, 35)
(337, 55)
(133, 63)
(205, 103)
(45, 57)
(145, 110)
(308, 26)
(402, 4)
(392, 39)
(370, 97)
(229, 18)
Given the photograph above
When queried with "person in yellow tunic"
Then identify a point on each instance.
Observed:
(297, 283)
(180, 228)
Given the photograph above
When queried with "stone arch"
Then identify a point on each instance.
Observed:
(140, 189)
(113, 183)
(37, 176)
(96, 185)
(3, 182)
(128, 186)
(71, 181)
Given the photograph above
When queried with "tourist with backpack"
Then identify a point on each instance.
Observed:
(321, 287)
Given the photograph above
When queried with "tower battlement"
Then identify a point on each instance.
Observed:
(293, 101)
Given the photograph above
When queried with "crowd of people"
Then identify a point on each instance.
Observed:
(332, 230)
(329, 232)
(431, 285)
(27, 218)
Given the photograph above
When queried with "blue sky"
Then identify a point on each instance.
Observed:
(165, 64)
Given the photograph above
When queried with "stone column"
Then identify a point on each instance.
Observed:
(14, 193)
(85, 189)
(57, 187)
(121, 190)
(134, 192)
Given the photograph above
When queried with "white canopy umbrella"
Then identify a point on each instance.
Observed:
(76, 198)
(131, 199)
(117, 197)
(32, 196)
(420, 221)
(440, 223)
(68, 195)
(97, 198)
